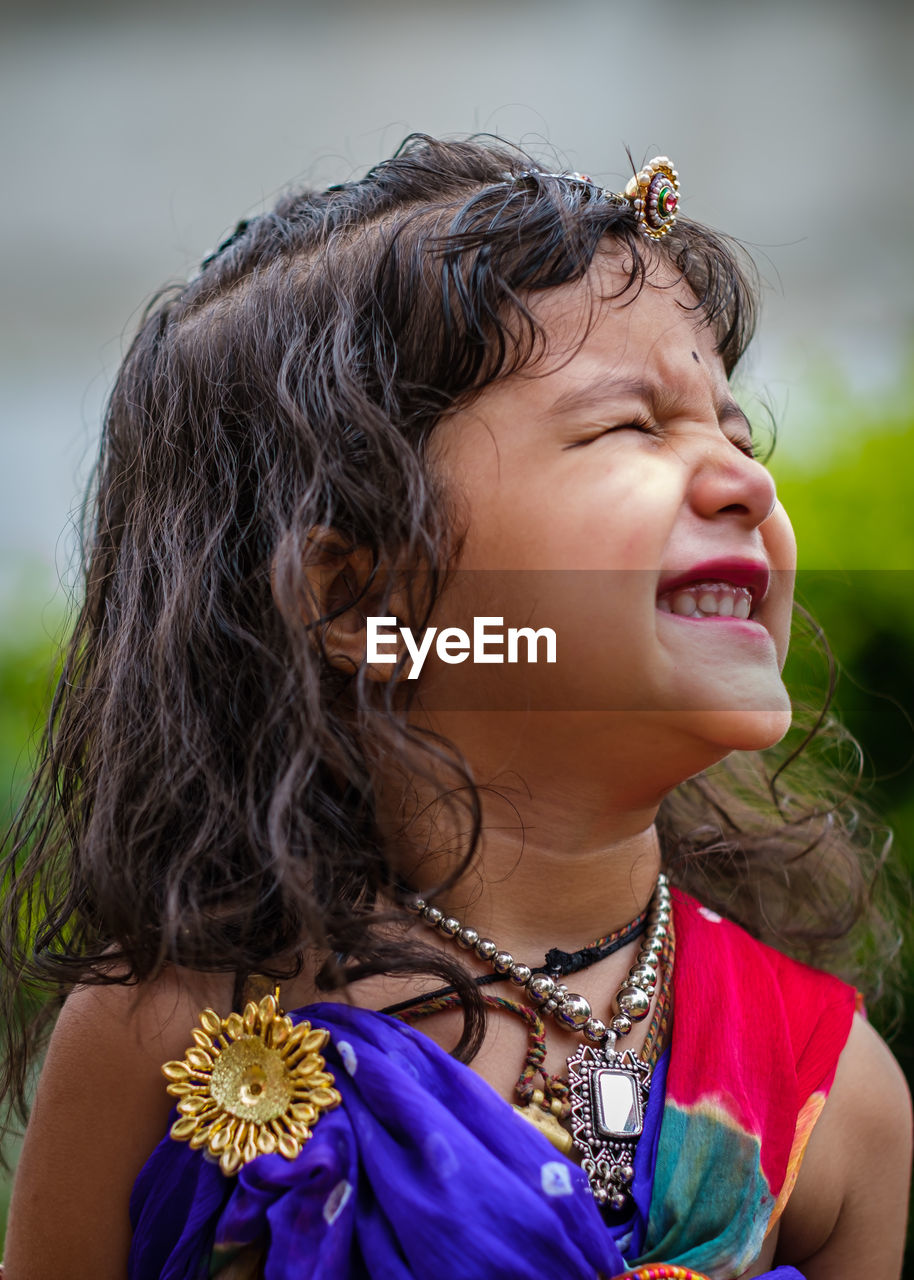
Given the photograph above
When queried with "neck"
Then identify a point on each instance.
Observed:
(555, 897)
(559, 863)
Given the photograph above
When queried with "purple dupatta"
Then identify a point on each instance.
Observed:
(422, 1171)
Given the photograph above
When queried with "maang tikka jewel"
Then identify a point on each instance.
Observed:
(652, 193)
(608, 1089)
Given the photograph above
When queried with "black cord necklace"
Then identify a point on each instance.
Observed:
(558, 963)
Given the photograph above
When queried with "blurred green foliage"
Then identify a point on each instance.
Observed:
(850, 502)
(851, 505)
(29, 668)
(28, 672)
(851, 508)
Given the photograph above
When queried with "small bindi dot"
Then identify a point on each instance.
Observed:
(696, 357)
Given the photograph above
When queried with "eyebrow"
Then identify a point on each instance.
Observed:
(663, 401)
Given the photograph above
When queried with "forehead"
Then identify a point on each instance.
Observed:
(599, 338)
(652, 326)
(607, 354)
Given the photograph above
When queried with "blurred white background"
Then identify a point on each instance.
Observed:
(134, 136)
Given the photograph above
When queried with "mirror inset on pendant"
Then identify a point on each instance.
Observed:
(616, 1104)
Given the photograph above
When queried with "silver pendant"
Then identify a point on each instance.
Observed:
(608, 1093)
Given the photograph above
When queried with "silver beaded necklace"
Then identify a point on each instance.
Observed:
(608, 1088)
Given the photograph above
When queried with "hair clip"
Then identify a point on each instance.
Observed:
(240, 229)
(654, 196)
(511, 178)
(653, 193)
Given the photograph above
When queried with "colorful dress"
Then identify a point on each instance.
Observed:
(424, 1171)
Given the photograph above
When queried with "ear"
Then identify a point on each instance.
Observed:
(342, 588)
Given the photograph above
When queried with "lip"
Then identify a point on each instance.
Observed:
(736, 570)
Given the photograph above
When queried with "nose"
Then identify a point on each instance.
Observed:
(727, 482)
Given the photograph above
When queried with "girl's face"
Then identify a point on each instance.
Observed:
(623, 477)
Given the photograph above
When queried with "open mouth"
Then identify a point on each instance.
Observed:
(707, 600)
(731, 587)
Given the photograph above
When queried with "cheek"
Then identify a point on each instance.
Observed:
(603, 627)
(780, 539)
(618, 520)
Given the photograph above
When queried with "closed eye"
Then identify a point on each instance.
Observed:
(644, 425)
(747, 447)
(647, 427)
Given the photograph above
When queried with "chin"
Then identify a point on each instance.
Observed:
(741, 730)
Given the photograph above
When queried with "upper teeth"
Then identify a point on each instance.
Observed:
(707, 600)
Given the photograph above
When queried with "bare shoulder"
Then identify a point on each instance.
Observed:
(146, 1019)
(100, 1108)
(847, 1213)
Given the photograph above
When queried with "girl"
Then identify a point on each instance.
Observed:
(457, 394)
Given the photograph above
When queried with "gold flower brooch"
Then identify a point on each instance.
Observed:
(251, 1084)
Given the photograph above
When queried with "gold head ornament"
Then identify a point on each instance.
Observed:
(652, 193)
(654, 196)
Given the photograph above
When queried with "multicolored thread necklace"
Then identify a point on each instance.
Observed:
(607, 1090)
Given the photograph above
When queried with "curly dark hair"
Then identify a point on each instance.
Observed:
(203, 795)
